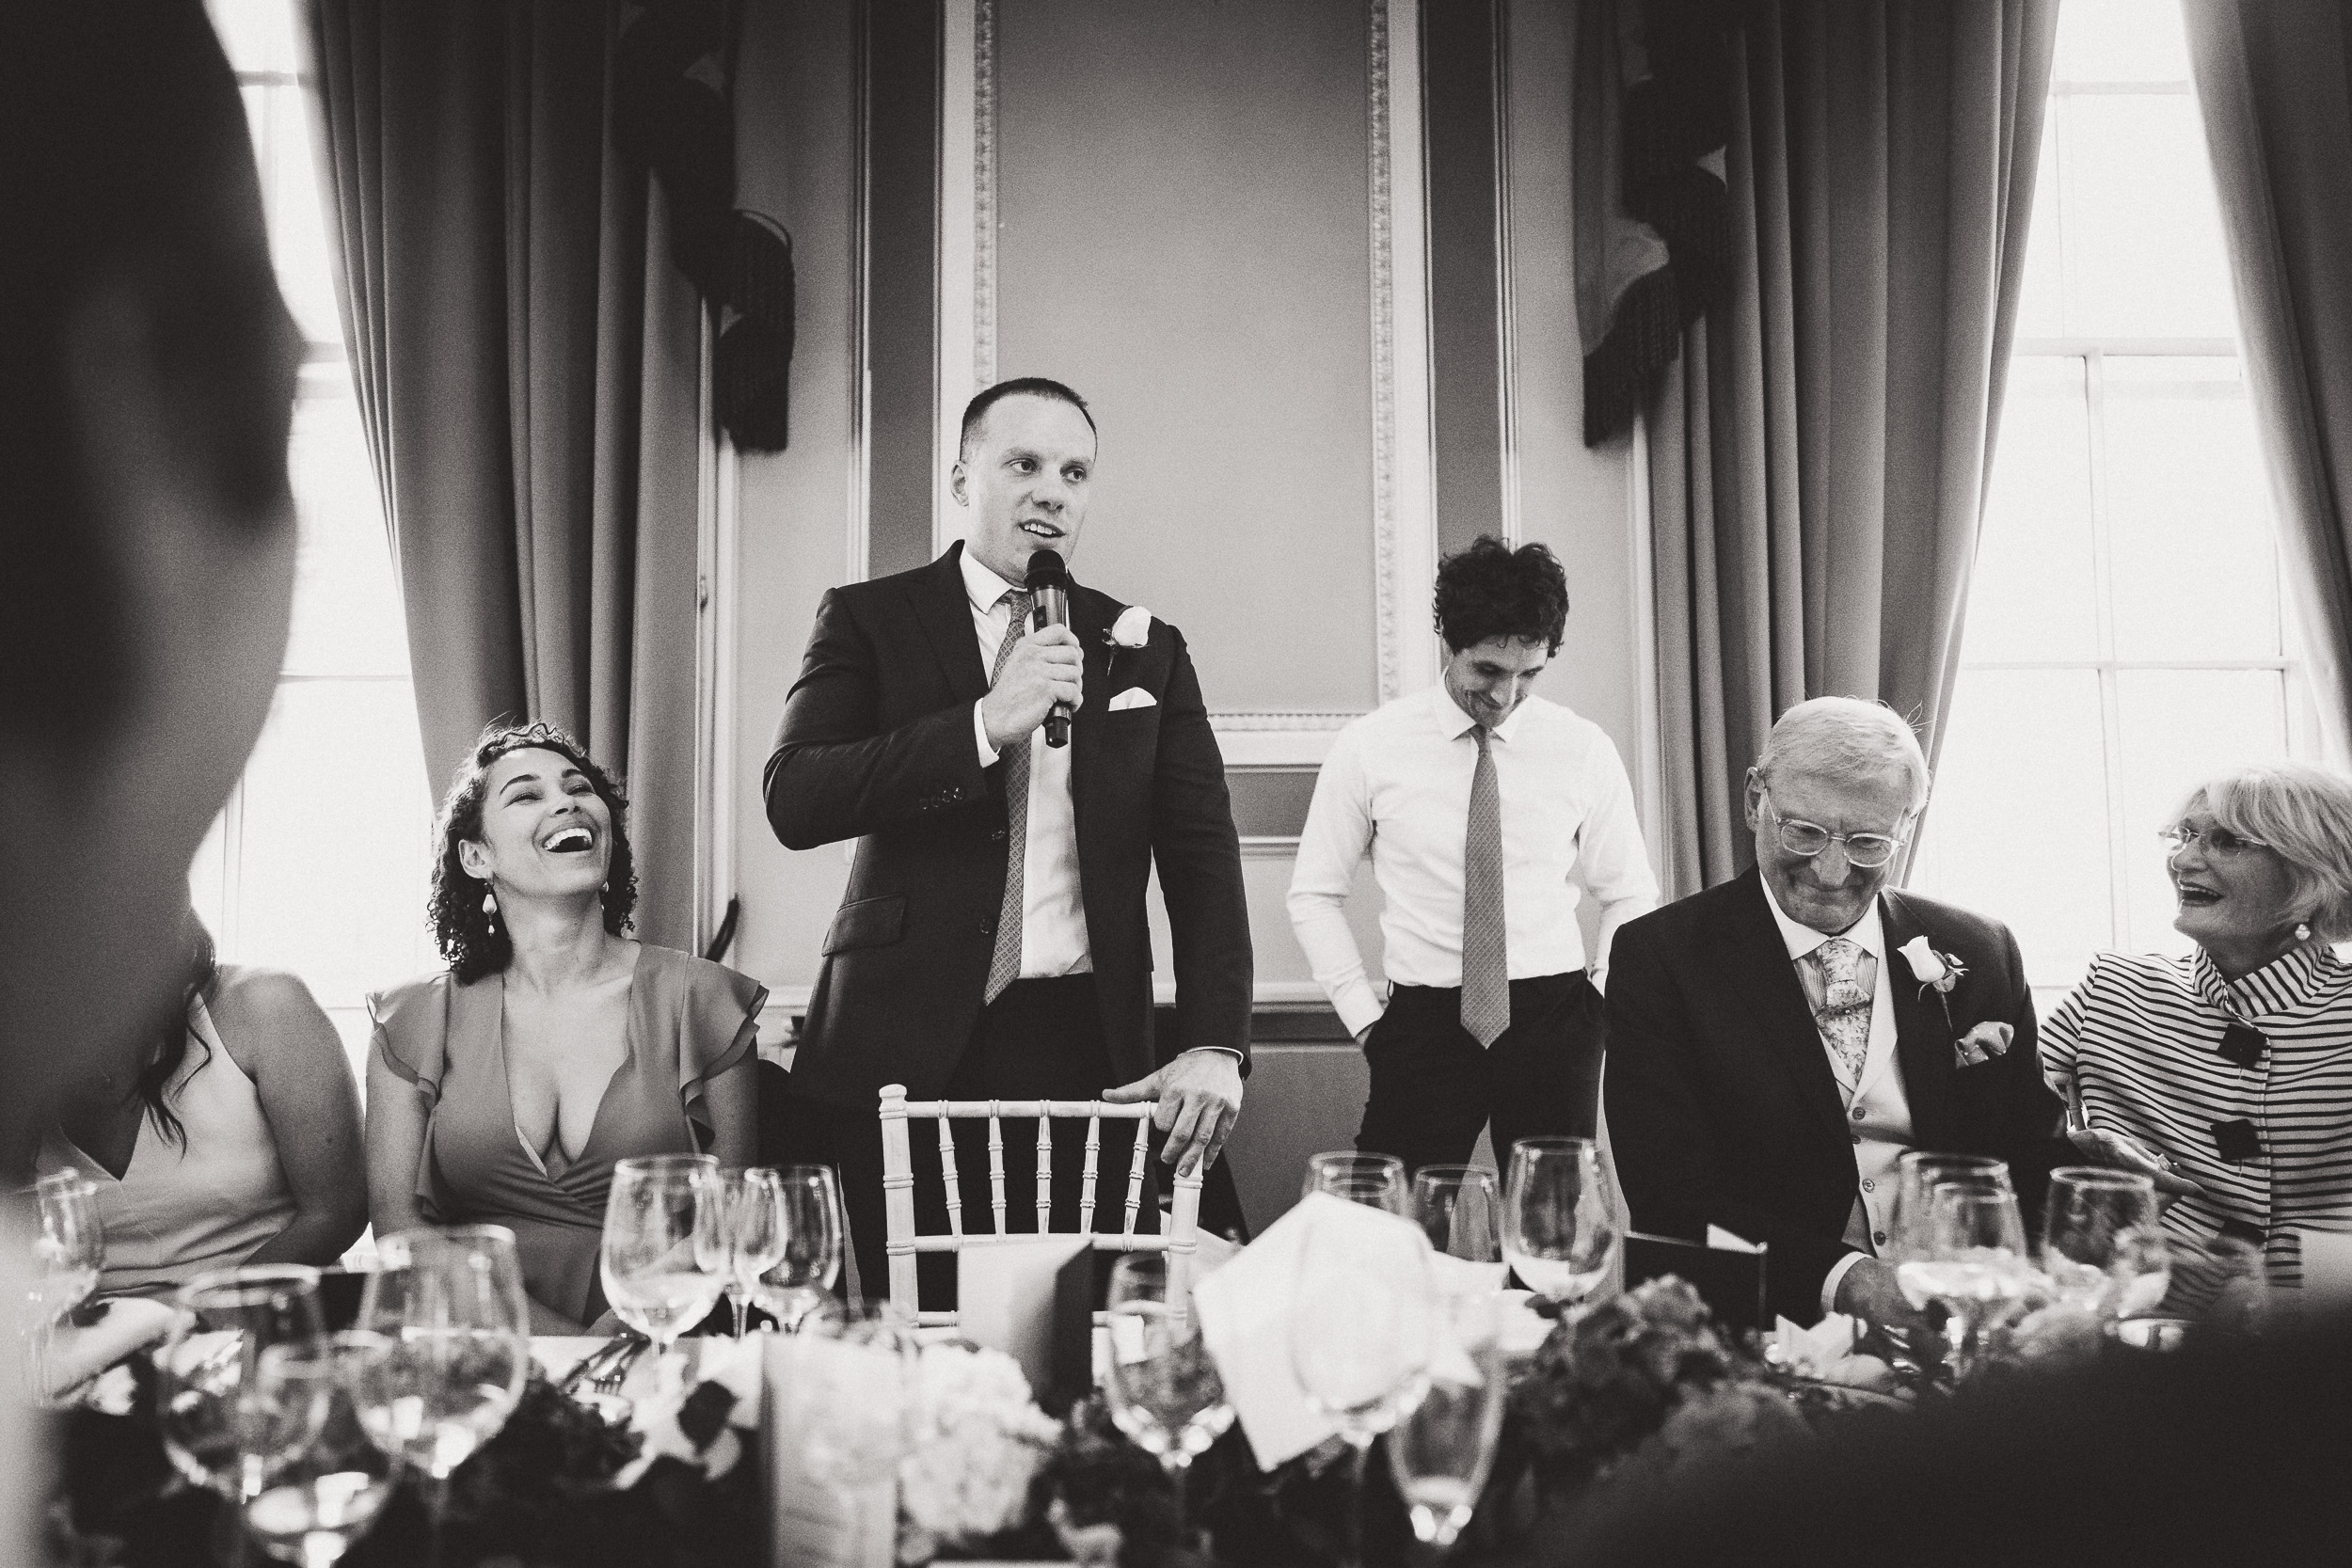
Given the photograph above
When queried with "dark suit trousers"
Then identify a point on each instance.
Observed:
(1040, 1039)
(1433, 1087)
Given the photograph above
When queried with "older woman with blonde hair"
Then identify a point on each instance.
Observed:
(2229, 1071)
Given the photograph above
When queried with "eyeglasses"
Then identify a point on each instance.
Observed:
(1867, 851)
(2218, 842)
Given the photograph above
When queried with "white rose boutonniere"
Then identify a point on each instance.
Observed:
(1936, 972)
(1133, 629)
(1982, 1043)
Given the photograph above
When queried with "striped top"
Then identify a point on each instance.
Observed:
(2140, 1037)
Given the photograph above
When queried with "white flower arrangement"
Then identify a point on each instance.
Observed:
(979, 1442)
(727, 1385)
(1133, 629)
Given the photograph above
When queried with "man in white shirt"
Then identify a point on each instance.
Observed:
(1484, 809)
(1777, 1042)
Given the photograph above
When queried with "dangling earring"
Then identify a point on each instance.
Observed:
(2302, 931)
(490, 907)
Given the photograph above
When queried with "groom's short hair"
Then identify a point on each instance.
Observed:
(976, 412)
(1489, 590)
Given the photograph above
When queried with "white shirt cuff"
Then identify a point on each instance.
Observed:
(979, 737)
(1220, 1050)
(1836, 1275)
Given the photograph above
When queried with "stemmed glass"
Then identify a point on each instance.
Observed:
(751, 1233)
(1974, 1264)
(663, 1252)
(445, 1346)
(1441, 1451)
(223, 1426)
(1361, 1333)
(2100, 1247)
(1561, 1234)
(1457, 1209)
(1164, 1389)
(69, 1255)
(1376, 1180)
(329, 1494)
(1917, 1174)
(803, 1273)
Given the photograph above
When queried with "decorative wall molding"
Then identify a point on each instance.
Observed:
(1403, 477)
(786, 1002)
(1255, 719)
(717, 516)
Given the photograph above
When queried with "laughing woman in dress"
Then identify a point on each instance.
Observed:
(501, 1091)
(2230, 1072)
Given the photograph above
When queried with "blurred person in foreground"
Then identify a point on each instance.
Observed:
(147, 534)
(235, 1142)
(1777, 1042)
(2228, 1072)
(501, 1091)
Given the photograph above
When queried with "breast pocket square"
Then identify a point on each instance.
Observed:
(1135, 696)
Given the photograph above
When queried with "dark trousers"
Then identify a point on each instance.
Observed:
(1040, 1039)
(1433, 1087)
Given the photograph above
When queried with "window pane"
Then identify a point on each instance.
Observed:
(2180, 727)
(346, 607)
(2017, 829)
(2042, 306)
(336, 829)
(2188, 513)
(290, 197)
(2120, 40)
(2034, 594)
(257, 34)
(2144, 233)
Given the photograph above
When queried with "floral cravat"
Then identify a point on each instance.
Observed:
(1844, 1010)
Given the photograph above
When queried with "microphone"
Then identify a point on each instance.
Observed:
(1049, 586)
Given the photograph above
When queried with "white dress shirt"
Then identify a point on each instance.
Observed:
(1052, 911)
(1878, 1110)
(1397, 782)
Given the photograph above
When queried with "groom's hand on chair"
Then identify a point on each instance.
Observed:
(1199, 1100)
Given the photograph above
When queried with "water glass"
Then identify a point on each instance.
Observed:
(1376, 1180)
(2214, 1282)
(1975, 1263)
(810, 1227)
(224, 1425)
(1164, 1389)
(68, 1253)
(1917, 1174)
(2100, 1247)
(450, 1346)
(328, 1494)
(1458, 1208)
(1561, 1233)
(1441, 1451)
(751, 1233)
(663, 1254)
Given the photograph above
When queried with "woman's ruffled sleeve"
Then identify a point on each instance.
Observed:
(411, 1037)
(719, 1029)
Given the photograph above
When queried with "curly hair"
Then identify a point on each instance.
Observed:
(1488, 590)
(473, 944)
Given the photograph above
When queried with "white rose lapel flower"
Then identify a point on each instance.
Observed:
(1981, 1044)
(1936, 972)
(1133, 629)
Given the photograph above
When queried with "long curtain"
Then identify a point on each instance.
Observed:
(2274, 79)
(1819, 449)
(528, 365)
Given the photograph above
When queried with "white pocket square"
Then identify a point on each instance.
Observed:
(1135, 696)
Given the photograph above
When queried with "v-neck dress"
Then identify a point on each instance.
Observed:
(208, 1202)
(689, 1022)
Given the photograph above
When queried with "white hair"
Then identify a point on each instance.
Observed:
(1845, 738)
(2303, 812)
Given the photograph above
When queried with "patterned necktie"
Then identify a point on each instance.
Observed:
(1844, 1013)
(1486, 956)
(1004, 965)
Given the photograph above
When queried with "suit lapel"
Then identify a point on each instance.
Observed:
(1923, 1036)
(1755, 962)
(1088, 619)
(945, 612)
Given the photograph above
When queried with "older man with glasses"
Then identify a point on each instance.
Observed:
(1777, 1042)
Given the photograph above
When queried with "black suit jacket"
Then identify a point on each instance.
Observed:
(1722, 1104)
(877, 745)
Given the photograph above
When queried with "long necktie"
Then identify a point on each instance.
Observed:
(1004, 965)
(1486, 953)
(1844, 1012)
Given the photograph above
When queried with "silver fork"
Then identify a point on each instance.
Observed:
(616, 1373)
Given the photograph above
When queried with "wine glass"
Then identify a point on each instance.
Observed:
(328, 1494)
(2211, 1282)
(752, 1233)
(1917, 1171)
(1361, 1331)
(1457, 1209)
(2101, 1248)
(1376, 1180)
(69, 1255)
(800, 1278)
(663, 1229)
(1561, 1233)
(1164, 1389)
(448, 1347)
(1441, 1451)
(1975, 1263)
(222, 1425)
